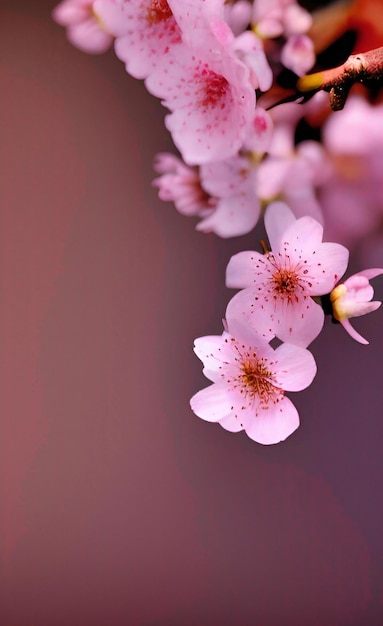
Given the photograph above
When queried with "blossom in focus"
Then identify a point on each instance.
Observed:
(85, 30)
(211, 99)
(249, 382)
(353, 299)
(278, 287)
(145, 31)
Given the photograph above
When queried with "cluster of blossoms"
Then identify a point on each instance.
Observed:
(215, 66)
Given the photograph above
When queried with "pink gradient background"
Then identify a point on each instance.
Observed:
(118, 506)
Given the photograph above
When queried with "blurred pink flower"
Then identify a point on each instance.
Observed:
(279, 286)
(273, 18)
(298, 54)
(181, 184)
(84, 28)
(249, 383)
(353, 299)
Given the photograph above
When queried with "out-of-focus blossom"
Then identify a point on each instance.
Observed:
(249, 49)
(181, 184)
(232, 182)
(353, 299)
(352, 196)
(249, 383)
(278, 287)
(298, 54)
(273, 18)
(84, 27)
(238, 15)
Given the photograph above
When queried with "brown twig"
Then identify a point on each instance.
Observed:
(366, 67)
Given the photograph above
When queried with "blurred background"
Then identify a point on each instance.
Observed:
(119, 507)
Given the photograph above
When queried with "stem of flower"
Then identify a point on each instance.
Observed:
(366, 67)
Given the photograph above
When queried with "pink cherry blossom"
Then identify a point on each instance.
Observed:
(232, 182)
(279, 286)
(238, 15)
(249, 48)
(352, 196)
(181, 184)
(249, 383)
(298, 54)
(273, 18)
(85, 30)
(353, 299)
(211, 100)
(145, 31)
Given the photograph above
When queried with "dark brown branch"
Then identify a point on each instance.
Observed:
(366, 67)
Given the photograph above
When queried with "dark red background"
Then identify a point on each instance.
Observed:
(118, 506)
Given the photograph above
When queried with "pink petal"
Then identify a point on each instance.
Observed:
(232, 217)
(212, 403)
(327, 265)
(231, 424)
(298, 324)
(89, 37)
(244, 309)
(278, 217)
(370, 273)
(72, 11)
(305, 235)
(246, 335)
(353, 333)
(274, 424)
(242, 268)
(214, 352)
(296, 367)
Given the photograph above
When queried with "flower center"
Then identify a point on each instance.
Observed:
(158, 11)
(285, 281)
(258, 381)
(213, 88)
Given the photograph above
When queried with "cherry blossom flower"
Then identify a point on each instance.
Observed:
(249, 383)
(145, 31)
(181, 184)
(249, 49)
(298, 54)
(232, 182)
(84, 28)
(279, 286)
(211, 100)
(352, 196)
(353, 299)
(273, 18)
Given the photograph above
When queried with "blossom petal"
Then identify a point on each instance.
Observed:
(214, 352)
(330, 263)
(273, 424)
(305, 235)
(244, 309)
(353, 333)
(296, 367)
(278, 217)
(242, 268)
(298, 325)
(212, 403)
(232, 217)
(231, 423)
